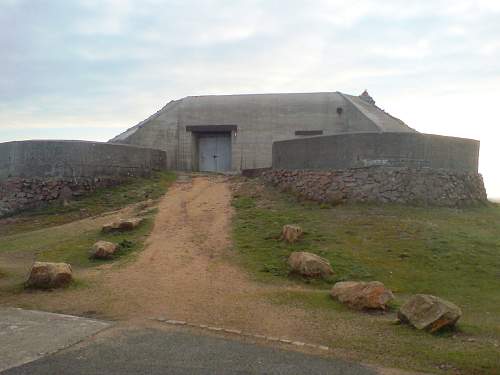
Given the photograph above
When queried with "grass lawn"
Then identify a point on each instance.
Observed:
(452, 253)
(60, 234)
(101, 201)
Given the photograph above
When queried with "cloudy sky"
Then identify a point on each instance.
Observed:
(88, 69)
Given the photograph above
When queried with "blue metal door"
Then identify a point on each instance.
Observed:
(214, 152)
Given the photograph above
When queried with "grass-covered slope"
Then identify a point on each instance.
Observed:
(59, 233)
(452, 253)
(100, 201)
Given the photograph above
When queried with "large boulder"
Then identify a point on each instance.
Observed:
(291, 233)
(309, 265)
(362, 295)
(123, 225)
(103, 250)
(45, 275)
(427, 312)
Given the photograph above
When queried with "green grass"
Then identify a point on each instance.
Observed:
(100, 201)
(75, 249)
(452, 253)
(55, 233)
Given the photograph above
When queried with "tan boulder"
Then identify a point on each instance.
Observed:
(123, 225)
(46, 275)
(111, 227)
(427, 312)
(103, 250)
(145, 204)
(291, 233)
(129, 224)
(310, 265)
(362, 295)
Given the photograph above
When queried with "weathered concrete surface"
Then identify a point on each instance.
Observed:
(28, 335)
(76, 159)
(259, 119)
(357, 150)
(156, 352)
(33, 173)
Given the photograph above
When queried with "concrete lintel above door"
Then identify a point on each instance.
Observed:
(211, 128)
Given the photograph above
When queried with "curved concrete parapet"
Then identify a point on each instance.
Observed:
(77, 159)
(33, 173)
(355, 150)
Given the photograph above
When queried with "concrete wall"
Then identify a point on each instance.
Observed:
(356, 150)
(77, 159)
(33, 173)
(260, 120)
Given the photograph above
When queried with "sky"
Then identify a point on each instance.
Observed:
(89, 69)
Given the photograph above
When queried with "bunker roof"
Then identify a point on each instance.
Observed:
(364, 104)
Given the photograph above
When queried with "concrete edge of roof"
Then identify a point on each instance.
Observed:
(352, 99)
(130, 131)
(76, 141)
(415, 134)
(263, 94)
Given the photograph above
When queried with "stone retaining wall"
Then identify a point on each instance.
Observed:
(406, 185)
(17, 194)
(33, 173)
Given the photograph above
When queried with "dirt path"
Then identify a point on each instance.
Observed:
(185, 272)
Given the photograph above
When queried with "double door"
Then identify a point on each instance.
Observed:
(214, 152)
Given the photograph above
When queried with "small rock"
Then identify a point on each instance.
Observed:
(111, 227)
(103, 250)
(130, 224)
(44, 275)
(427, 312)
(145, 205)
(123, 225)
(362, 295)
(310, 265)
(291, 233)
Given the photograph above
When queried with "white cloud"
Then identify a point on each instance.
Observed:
(107, 64)
(417, 50)
(105, 17)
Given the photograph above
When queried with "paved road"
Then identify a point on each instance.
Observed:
(152, 351)
(27, 335)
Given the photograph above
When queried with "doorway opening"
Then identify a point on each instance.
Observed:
(214, 152)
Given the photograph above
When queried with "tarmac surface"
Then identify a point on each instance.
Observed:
(38, 343)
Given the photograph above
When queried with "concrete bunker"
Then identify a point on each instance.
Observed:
(188, 128)
(343, 145)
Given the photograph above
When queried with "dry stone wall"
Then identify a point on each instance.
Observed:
(33, 173)
(17, 194)
(406, 185)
